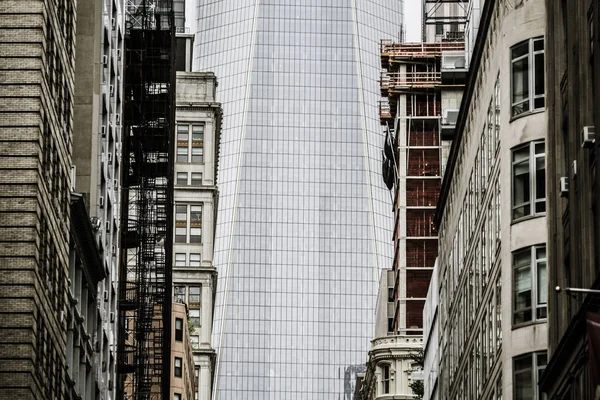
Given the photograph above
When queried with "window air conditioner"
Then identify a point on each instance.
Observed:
(588, 137)
(564, 186)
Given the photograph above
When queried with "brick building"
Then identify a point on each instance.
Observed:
(37, 53)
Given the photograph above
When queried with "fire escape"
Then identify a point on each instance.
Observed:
(145, 282)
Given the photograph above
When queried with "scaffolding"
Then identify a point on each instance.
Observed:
(413, 79)
(145, 282)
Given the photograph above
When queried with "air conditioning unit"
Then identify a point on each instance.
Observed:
(105, 60)
(101, 201)
(450, 117)
(103, 131)
(106, 295)
(118, 119)
(112, 90)
(564, 186)
(112, 317)
(588, 137)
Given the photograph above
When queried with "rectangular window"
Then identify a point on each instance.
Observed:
(188, 227)
(177, 396)
(182, 178)
(194, 297)
(179, 293)
(178, 329)
(180, 259)
(528, 369)
(195, 260)
(530, 282)
(196, 178)
(529, 180)
(527, 72)
(194, 318)
(178, 367)
(193, 144)
(385, 379)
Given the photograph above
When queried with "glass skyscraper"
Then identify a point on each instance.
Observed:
(304, 222)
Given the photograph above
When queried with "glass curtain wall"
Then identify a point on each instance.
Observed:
(304, 222)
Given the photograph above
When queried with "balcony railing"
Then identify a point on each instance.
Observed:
(416, 50)
(409, 79)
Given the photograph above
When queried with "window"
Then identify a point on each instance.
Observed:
(528, 369)
(195, 340)
(529, 180)
(527, 68)
(195, 224)
(194, 318)
(178, 367)
(196, 178)
(182, 178)
(179, 329)
(195, 260)
(193, 143)
(194, 295)
(176, 396)
(385, 379)
(439, 29)
(530, 282)
(188, 228)
(183, 139)
(180, 259)
(179, 293)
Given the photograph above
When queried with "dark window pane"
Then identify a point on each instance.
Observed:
(520, 50)
(539, 74)
(520, 83)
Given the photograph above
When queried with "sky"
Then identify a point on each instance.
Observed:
(412, 20)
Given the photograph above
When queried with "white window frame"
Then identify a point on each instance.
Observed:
(533, 195)
(188, 146)
(193, 228)
(531, 95)
(386, 380)
(537, 307)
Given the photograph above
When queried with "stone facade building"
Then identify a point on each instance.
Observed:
(573, 190)
(492, 215)
(198, 118)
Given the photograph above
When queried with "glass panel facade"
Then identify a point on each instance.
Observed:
(304, 221)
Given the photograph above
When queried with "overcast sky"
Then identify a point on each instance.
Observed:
(412, 20)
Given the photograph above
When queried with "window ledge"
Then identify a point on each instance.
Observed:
(527, 114)
(527, 218)
(527, 324)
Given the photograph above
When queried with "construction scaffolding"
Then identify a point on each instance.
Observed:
(414, 77)
(145, 282)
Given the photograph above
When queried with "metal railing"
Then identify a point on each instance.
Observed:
(410, 79)
(415, 50)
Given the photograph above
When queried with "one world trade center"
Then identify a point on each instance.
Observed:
(304, 222)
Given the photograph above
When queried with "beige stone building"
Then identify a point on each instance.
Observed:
(37, 58)
(198, 119)
(183, 384)
(491, 215)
